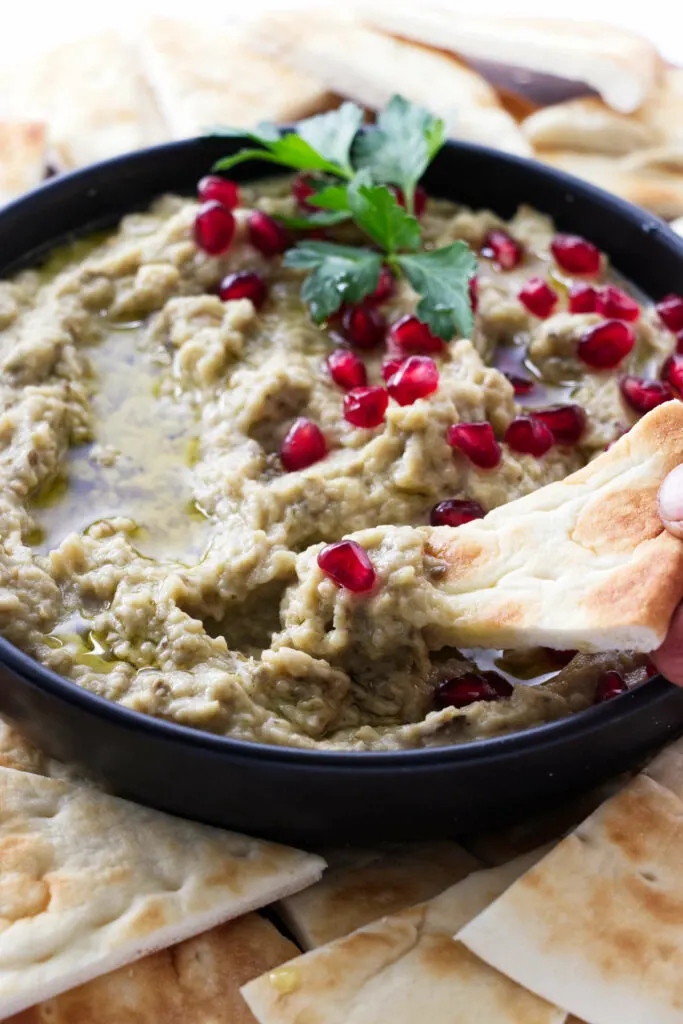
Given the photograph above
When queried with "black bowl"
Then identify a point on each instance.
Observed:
(305, 796)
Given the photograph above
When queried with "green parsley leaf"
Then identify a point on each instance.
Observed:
(441, 277)
(399, 150)
(379, 214)
(340, 273)
(332, 134)
(318, 219)
(330, 197)
(289, 150)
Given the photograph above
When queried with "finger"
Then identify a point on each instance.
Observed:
(669, 657)
(671, 501)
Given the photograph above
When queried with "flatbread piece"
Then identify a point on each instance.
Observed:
(369, 67)
(582, 564)
(346, 898)
(403, 969)
(23, 147)
(89, 883)
(206, 75)
(597, 926)
(195, 982)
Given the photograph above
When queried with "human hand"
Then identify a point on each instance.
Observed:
(669, 657)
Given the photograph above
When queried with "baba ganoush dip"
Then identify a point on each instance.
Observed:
(175, 453)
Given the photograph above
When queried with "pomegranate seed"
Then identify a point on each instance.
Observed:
(391, 366)
(615, 303)
(385, 287)
(529, 436)
(672, 373)
(582, 298)
(347, 564)
(610, 684)
(670, 311)
(245, 284)
(416, 378)
(575, 254)
(223, 190)
(477, 442)
(365, 407)
(604, 346)
(566, 422)
(419, 198)
(347, 369)
(644, 395)
(471, 687)
(303, 445)
(455, 512)
(679, 342)
(303, 189)
(473, 289)
(266, 235)
(520, 385)
(411, 336)
(503, 248)
(363, 326)
(214, 226)
(538, 297)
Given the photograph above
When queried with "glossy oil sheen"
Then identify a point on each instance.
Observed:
(315, 797)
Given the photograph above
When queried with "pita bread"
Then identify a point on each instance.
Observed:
(652, 186)
(19, 754)
(195, 982)
(114, 113)
(206, 75)
(349, 897)
(589, 125)
(597, 926)
(667, 768)
(369, 67)
(89, 883)
(403, 969)
(583, 564)
(622, 67)
(23, 149)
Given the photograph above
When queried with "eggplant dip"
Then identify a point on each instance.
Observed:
(186, 433)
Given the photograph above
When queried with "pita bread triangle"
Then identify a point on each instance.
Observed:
(196, 982)
(89, 882)
(597, 925)
(402, 969)
(23, 149)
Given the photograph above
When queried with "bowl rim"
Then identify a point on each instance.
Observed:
(645, 696)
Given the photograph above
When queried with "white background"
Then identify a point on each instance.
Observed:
(28, 25)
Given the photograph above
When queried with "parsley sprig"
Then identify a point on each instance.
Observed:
(356, 176)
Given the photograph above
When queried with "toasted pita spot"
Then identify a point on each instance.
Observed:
(620, 521)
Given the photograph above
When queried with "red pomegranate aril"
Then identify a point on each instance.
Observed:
(473, 289)
(415, 378)
(245, 284)
(529, 436)
(615, 303)
(419, 198)
(303, 445)
(392, 365)
(455, 512)
(302, 190)
(679, 342)
(348, 565)
(582, 298)
(266, 235)
(538, 297)
(520, 385)
(385, 287)
(604, 346)
(672, 373)
(469, 688)
(366, 407)
(503, 249)
(644, 395)
(223, 190)
(364, 326)
(347, 369)
(411, 336)
(610, 684)
(575, 254)
(477, 442)
(214, 227)
(566, 422)
(670, 311)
